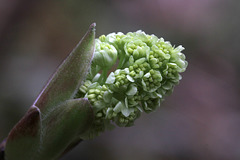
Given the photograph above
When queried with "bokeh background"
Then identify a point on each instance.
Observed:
(200, 121)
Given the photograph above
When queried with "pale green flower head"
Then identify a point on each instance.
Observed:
(130, 74)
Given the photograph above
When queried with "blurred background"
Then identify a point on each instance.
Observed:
(200, 121)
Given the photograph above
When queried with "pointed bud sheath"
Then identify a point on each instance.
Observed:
(23, 140)
(55, 121)
(63, 126)
(69, 76)
(32, 139)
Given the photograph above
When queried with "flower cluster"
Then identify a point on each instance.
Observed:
(130, 73)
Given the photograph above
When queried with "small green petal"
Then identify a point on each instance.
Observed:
(130, 78)
(127, 111)
(126, 102)
(126, 70)
(107, 97)
(96, 77)
(147, 75)
(140, 61)
(93, 85)
(110, 79)
(155, 95)
(98, 105)
(146, 108)
(109, 113)
(119, 106)
(132, 90)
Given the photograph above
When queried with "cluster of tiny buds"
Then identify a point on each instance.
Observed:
(130, 73)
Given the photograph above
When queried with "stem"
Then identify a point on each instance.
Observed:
(103, 76)
(94, 71)
(121, 62)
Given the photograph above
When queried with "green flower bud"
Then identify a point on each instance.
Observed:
(127, 121)
(137, 49)
(105, 54)
(148, 69)
(115, 39)
(151, 81)
(151, 104)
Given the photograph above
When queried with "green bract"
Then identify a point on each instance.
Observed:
(130, 74)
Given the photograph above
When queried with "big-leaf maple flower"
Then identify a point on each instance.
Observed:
(130, 73)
